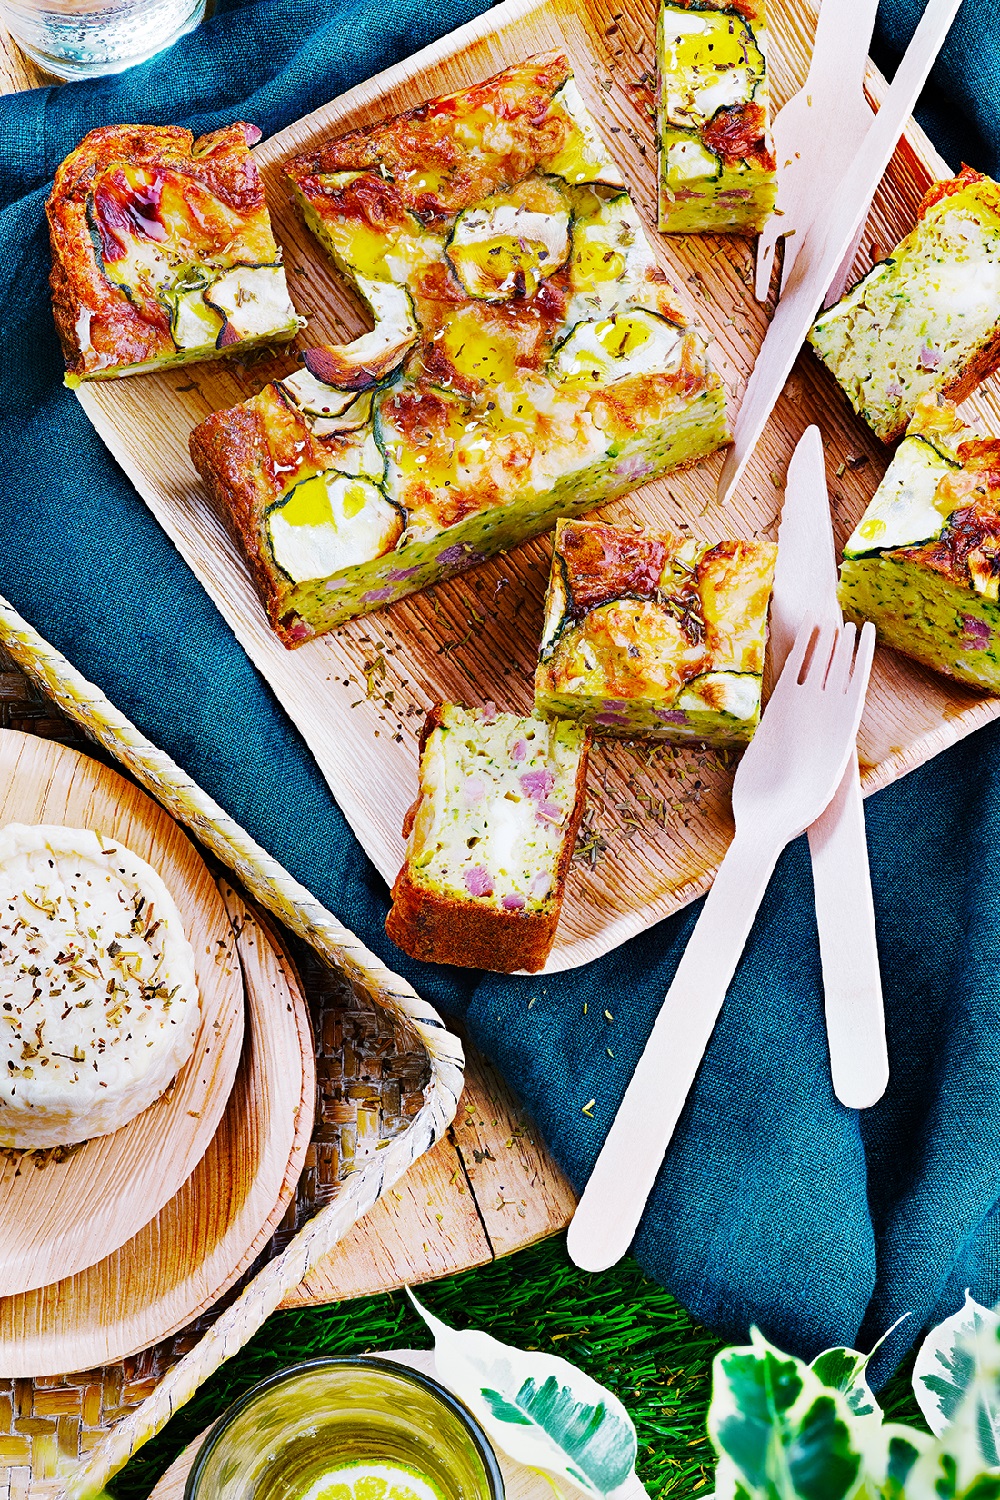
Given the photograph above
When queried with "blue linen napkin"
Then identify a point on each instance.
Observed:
(775, 1206)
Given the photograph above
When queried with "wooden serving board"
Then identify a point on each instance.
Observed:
(59, 1216)
(658, 818)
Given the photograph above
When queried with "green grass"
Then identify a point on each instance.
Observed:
(620, 1327)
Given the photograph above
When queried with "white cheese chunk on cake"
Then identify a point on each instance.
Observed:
(98, 999)
(491, 836)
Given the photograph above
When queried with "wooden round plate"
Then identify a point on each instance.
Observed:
(57, 1217)
(213, 1229)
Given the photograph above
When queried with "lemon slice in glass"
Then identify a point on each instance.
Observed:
(368, 1481)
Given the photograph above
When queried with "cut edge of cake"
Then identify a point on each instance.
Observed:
(923, 563)
(896, 320)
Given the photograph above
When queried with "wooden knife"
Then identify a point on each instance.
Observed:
(805, 587)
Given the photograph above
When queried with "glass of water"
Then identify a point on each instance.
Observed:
(346, 1429)
(83, 38)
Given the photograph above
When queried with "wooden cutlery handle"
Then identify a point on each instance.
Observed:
(840, 48)
(613, 1200)
(845, 917)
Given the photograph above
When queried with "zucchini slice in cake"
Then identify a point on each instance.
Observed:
(162, 251)
(717, 166)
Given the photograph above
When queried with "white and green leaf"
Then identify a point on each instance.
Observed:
(902, 1448)
(957, 1375)
(844, 1370)
(947, 1365)
(541, 1410)
(781, 1433)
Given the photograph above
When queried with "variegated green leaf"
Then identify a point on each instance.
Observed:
(903, 1447)
(540, 1409)
(964, 1363)
(780, 1432)
(946, 1367)
(844, 1370)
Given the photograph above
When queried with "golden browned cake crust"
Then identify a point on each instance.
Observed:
(231, 452)
(422, 164)
(443, 930)
(135, 210)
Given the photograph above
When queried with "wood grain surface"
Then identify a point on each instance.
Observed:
(490, 1188)
(658, 817)
(59, 1216)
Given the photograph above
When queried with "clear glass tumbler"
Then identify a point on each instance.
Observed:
(84, 38)
(329, 1428)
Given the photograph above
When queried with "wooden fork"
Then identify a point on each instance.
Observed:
(818, 133)
(788, 774)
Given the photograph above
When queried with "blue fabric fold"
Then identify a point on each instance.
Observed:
(775, 1205)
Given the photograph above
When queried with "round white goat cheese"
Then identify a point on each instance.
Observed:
(98, 998)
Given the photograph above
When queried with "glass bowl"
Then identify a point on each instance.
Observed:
(346, 1429)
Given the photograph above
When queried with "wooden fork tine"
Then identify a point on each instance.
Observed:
(863, 657)
(838, 678)
(824, 652)
(801, 647)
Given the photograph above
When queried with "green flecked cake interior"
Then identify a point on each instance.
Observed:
(696, 714)
(498, 793)
(923, 563)
(915, 323)
(716, 166)
(925, 616)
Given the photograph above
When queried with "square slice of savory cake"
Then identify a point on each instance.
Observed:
(927, 319)
(717, 166)
(162, 251)
(528, 359)
(655, 635)
(490, 839)
(924, 561)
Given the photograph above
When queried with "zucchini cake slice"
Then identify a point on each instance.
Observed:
(651, 635)
(528, 358)
(490, 839)
(924, 561)
(717, 166)
(162, 251)
(927, 319)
